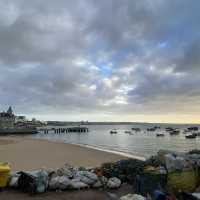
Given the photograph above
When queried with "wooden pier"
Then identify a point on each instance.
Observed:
(66, 130)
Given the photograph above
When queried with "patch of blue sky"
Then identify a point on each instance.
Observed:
(105, 69)
(162, 44)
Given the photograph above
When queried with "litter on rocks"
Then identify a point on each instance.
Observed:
(167, 175)
(132, 197)
(114, 183)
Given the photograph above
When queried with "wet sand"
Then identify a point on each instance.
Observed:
(23, 153)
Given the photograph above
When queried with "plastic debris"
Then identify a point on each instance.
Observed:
(113, 183)
(77, 184)
(132, 197)
(98, 184)
(87, 177)
(14, 180)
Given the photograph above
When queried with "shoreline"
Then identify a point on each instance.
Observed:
(120, 153)
(25, 153)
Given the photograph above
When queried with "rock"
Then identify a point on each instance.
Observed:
(113, 183)
(132, 197)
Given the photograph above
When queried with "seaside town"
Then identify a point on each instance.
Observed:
(10, 123)
(99, 100)
(165, 175)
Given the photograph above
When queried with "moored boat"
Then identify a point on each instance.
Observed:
(114, 131)
(160, 135)
(136, 129)
(127, 132)
(191, 136)
(174, 132)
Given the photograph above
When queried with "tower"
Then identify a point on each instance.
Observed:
(10, 111)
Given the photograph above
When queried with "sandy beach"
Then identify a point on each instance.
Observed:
(23, 153)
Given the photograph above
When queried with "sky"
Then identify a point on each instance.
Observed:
(108, 60)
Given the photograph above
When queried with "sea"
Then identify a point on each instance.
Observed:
(139, 145)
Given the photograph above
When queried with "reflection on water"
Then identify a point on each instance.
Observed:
(141, 144)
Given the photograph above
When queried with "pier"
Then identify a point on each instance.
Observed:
(66, 130)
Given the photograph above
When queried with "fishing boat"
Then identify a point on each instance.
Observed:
(191, 136)
(151, 129)
(198, 134)
(169, 129)
(136, 129)
(160, 135)
(114, 131)
(174, 132)
(127, 132)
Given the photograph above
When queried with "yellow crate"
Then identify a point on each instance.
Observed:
(4, 174)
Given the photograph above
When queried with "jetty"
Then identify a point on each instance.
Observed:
(65, 130)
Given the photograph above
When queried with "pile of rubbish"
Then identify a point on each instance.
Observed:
(65, 178)
(167, 175)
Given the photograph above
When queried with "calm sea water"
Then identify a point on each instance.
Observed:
(142, 144)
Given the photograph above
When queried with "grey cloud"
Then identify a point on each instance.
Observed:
(48, 49)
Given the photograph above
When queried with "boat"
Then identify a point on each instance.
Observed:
(174, 132)
(113, 131)
(136, 129)
(198, 134)
(169, 129)
(160, 135)
(151, 129)
(127, 132)
(191, 136)
(194, 128)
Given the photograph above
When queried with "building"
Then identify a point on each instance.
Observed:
(21, 119)
(7, 119)
(10, 121)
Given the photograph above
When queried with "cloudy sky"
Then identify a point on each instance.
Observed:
(107, 60)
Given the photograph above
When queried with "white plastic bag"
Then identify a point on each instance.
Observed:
(64, 182)
(114, 183)
(132, 197)
(76, 184)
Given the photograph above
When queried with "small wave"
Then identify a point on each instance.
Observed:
(125, 154)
